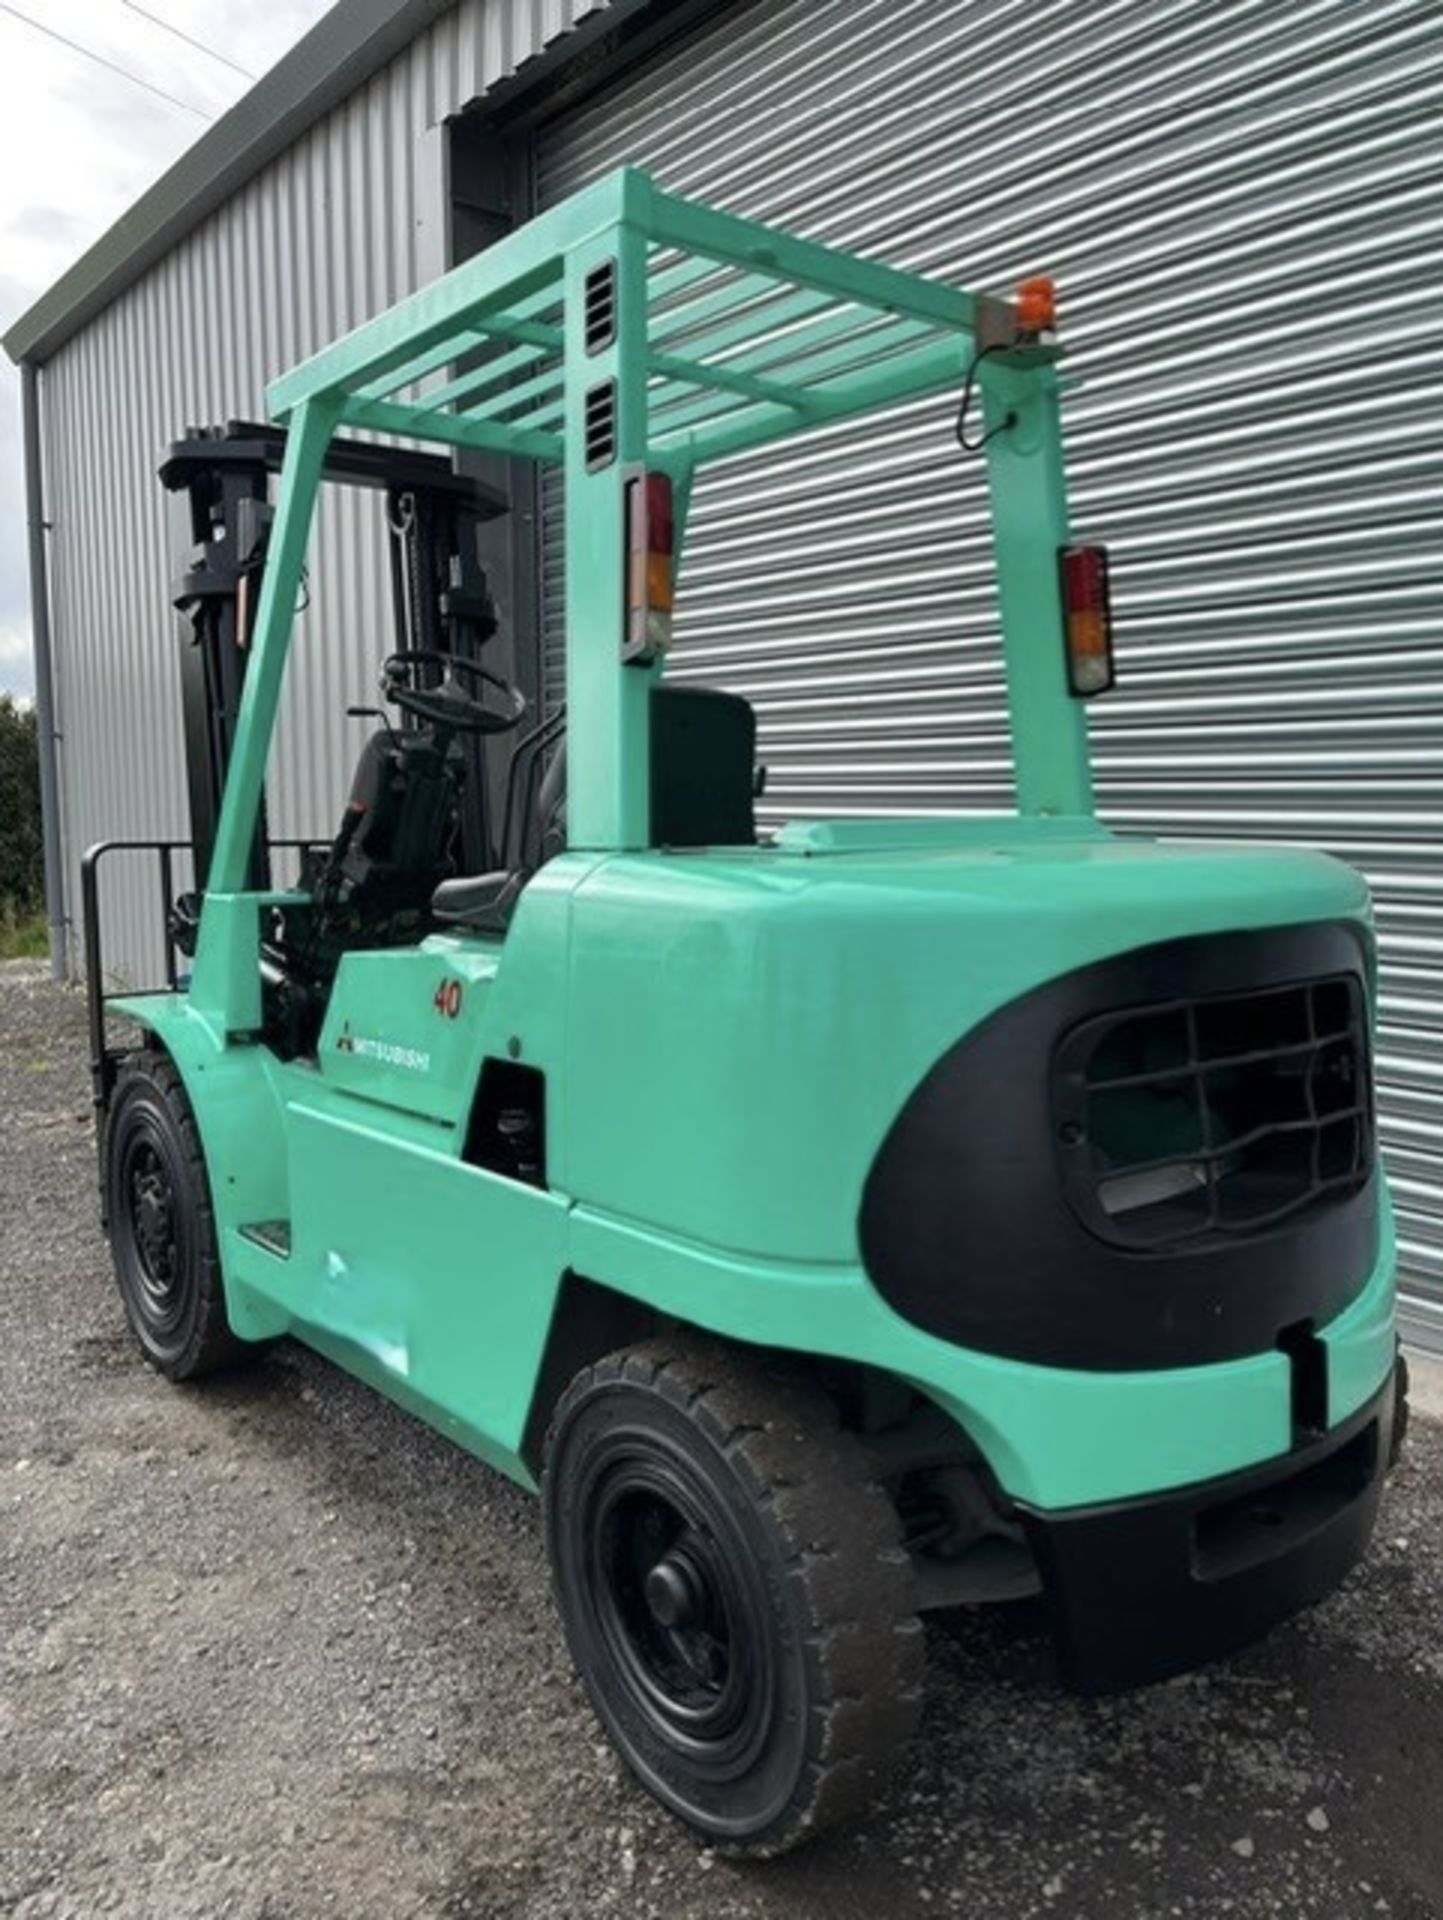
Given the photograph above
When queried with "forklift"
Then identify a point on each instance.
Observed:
(833, 1223)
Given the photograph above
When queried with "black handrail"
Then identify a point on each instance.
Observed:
(523, 782)
(103, 1058)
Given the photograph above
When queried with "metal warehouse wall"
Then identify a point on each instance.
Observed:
(348, 220)
(1242, 205)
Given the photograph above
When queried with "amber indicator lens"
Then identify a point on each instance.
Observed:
(1087, 620)
(1037, 305)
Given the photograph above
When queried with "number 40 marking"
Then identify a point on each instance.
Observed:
(448, 999)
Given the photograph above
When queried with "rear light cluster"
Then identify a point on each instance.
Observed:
(1087, 620)
(650, 549)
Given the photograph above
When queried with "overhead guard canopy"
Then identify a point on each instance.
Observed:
(749, 334)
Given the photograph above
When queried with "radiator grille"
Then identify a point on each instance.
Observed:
(1192, 1120)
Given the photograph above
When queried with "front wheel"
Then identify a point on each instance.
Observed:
(162, 1229)
(734, 1589)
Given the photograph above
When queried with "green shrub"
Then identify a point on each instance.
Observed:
(24, 939)
(22, 879)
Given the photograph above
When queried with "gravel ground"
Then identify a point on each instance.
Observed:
(268, 1649)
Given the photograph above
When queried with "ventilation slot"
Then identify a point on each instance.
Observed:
(600, 308)
(601, 426)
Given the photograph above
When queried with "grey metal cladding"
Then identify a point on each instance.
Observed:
(1242, 206)
(348, 219)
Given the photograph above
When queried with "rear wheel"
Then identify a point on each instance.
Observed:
(162, 1228)
(734, 1589)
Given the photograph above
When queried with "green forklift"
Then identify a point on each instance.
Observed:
(833, 1223)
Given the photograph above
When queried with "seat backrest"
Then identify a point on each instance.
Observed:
(395, 838)
(703, 767)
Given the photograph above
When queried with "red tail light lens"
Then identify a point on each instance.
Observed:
(1087, 620)
(650, 538)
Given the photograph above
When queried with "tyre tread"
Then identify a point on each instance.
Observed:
(211, 1345)
(843, 1556)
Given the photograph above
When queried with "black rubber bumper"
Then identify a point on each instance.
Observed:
(1143, 1589)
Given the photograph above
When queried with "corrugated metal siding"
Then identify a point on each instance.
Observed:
(1242, 206)
(342, 225)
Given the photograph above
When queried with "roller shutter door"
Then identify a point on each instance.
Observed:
(1242, 206)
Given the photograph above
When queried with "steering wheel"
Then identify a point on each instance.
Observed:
(448, 704)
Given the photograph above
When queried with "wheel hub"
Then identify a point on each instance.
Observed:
(673, 1591)
(152, 1212)
(676, 1612)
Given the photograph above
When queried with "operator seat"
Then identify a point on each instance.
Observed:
(395, 836)
(703, 794)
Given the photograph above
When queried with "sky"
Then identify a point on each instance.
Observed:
(78, 144)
